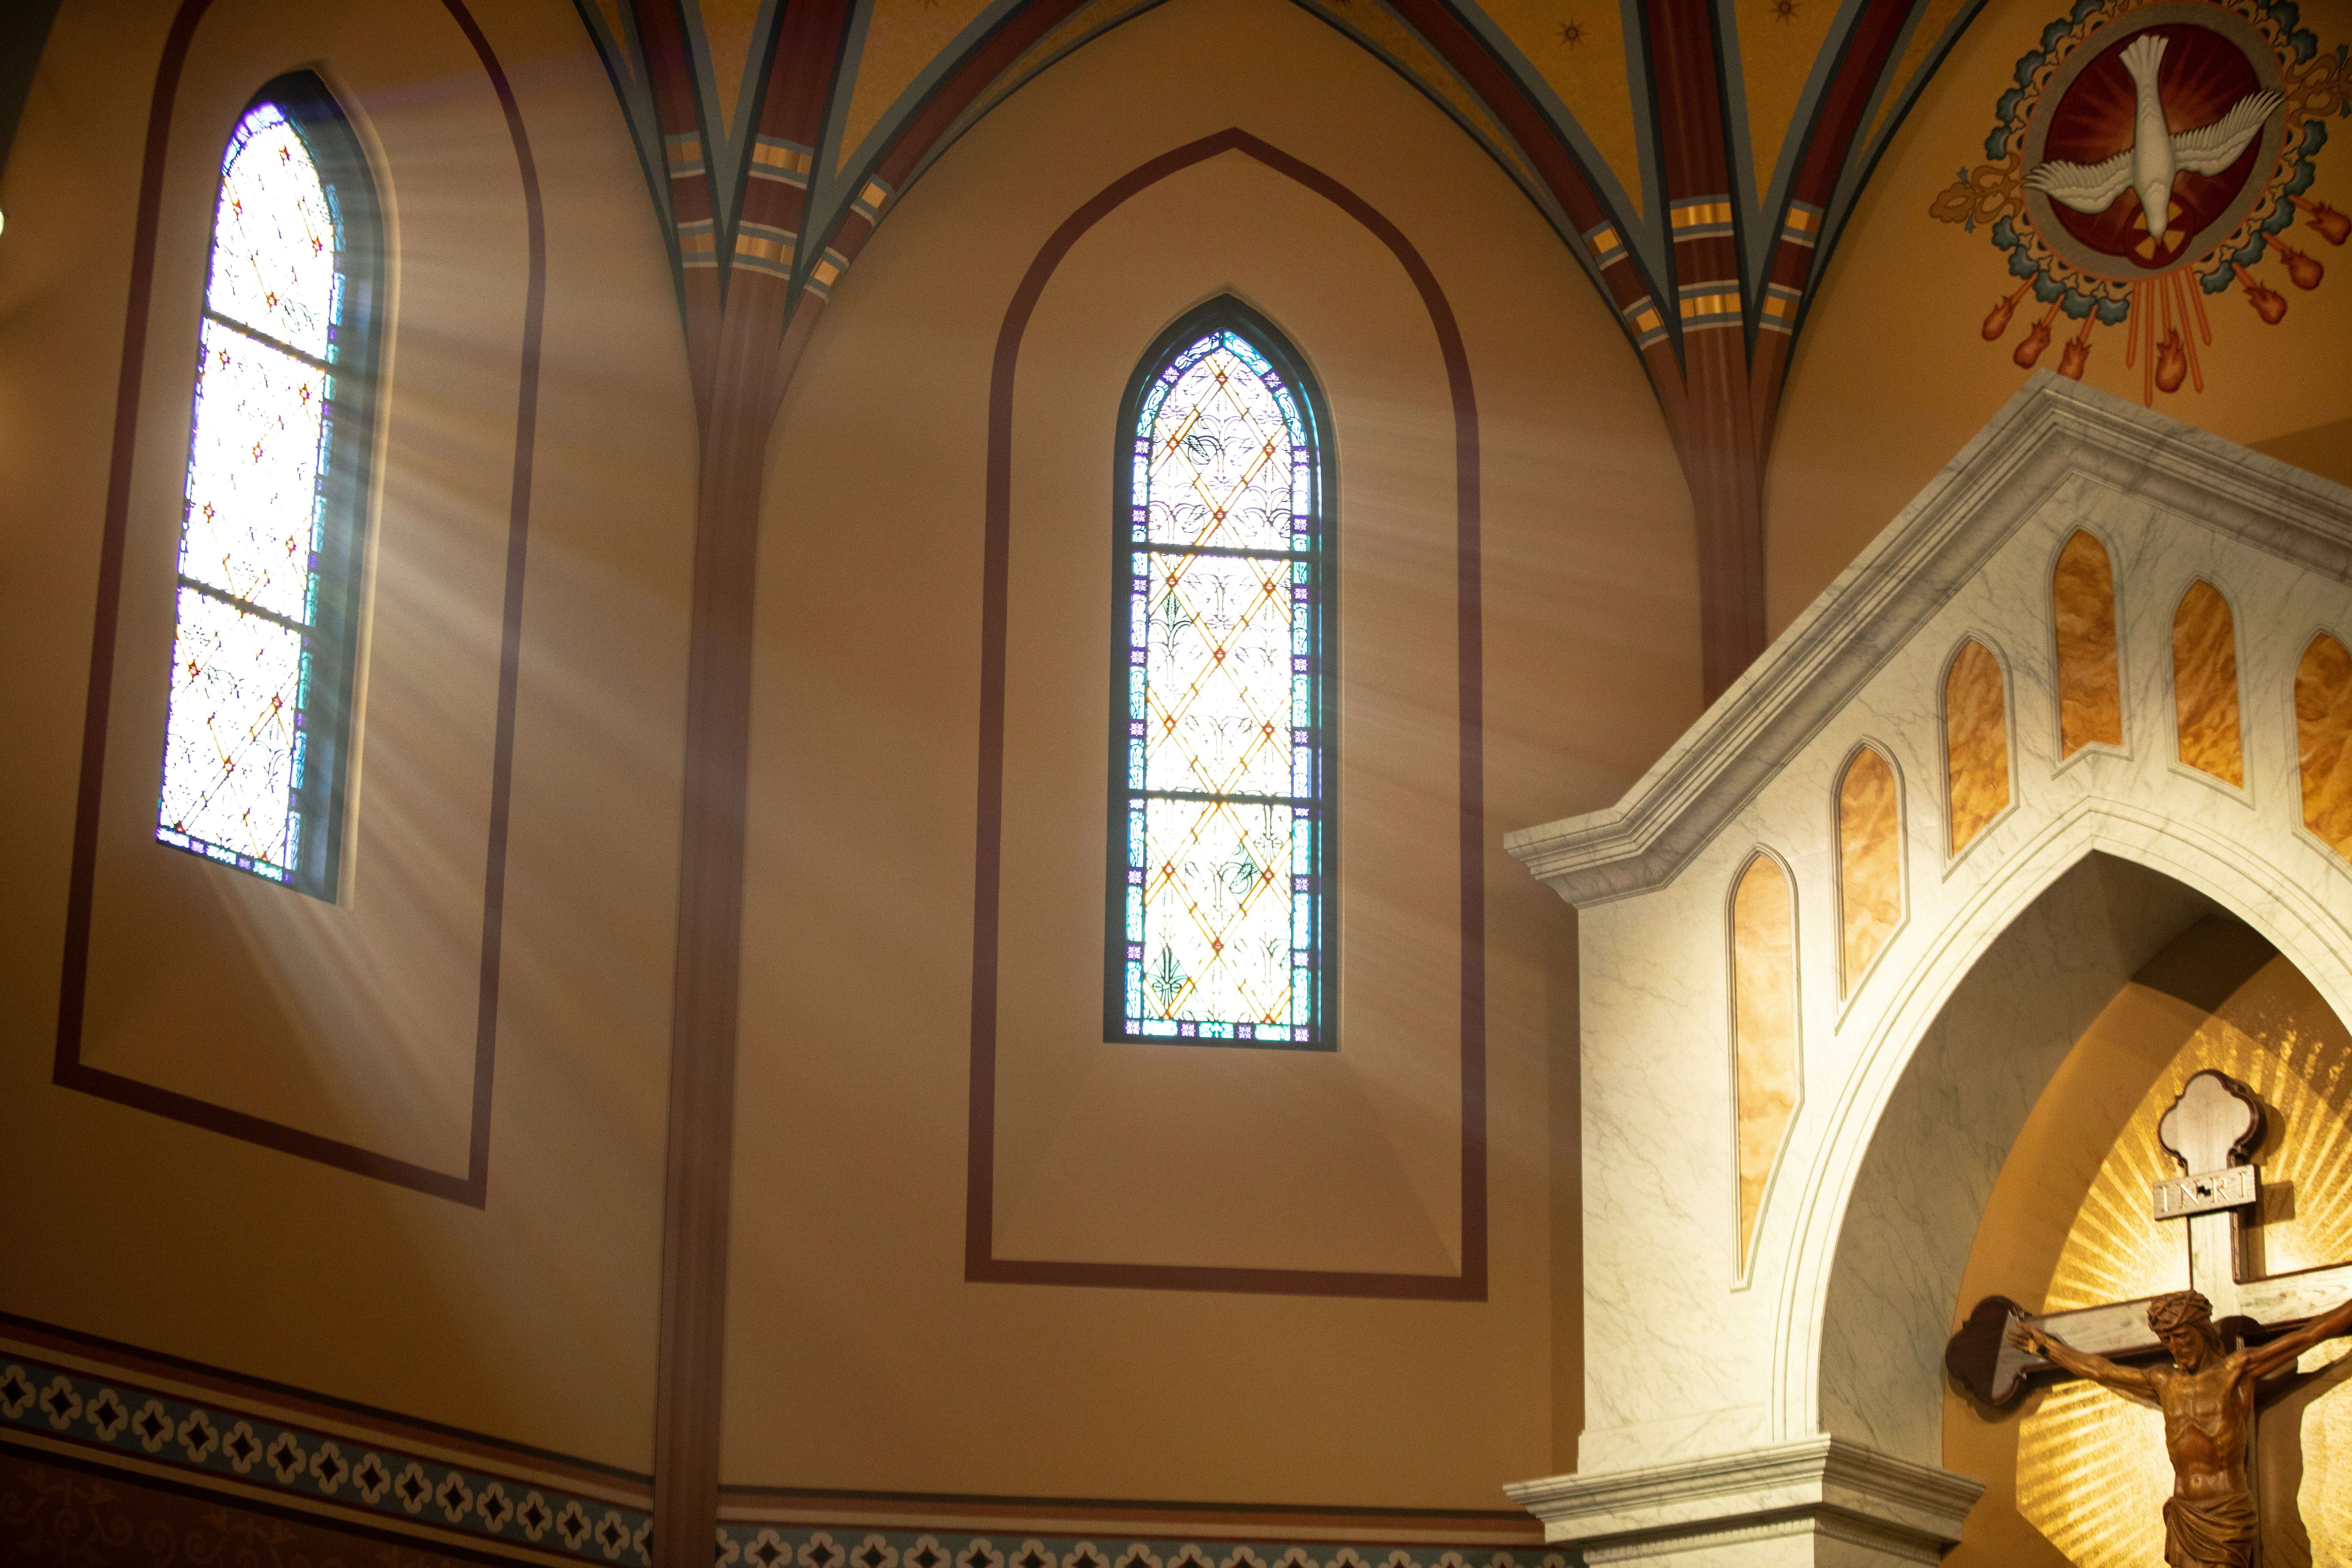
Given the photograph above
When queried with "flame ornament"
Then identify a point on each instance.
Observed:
(2111, 216)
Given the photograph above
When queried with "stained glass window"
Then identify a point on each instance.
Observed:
(1221, 794)
(256, 731)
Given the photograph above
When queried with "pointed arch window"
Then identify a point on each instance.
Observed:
(256, 740)
(1221, 841)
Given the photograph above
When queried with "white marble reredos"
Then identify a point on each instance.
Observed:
(1763, 1504)
(1914, 1088)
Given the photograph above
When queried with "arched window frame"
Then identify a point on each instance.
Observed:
(1315, 571)
(322, 706)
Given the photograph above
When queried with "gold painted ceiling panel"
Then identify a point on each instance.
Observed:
(1404, 46)
(1778, 41)
(727, 27)
(623, 55)
(902, 36)
(1936, 16)
(1578, 46)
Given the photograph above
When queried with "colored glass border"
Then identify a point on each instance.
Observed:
(330, 643)
(1320, 581)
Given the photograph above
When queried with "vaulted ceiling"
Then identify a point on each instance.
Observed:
(1696, 157)
(1677, 146)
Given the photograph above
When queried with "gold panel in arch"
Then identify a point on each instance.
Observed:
(2205, 684)
(727, 27)
(1870, 862)
(2322, 737)
(1976, 743)
(2090, 678)
(902, 37)
(1764, 1027)
(2091, 1475)
(1777, 48)
(1925, 33)
(1580, 52)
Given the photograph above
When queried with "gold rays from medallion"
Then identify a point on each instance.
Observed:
(2091, 1475)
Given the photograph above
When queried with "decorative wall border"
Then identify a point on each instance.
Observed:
(70, 1070)
(96, 1405)
(981, 1262)
(755, 1545)
(153, 1420)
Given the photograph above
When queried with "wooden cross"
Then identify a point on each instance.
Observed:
(2212, 1129)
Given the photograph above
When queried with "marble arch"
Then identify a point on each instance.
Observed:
(1795, 1417)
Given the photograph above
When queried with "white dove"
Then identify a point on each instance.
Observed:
(2155, 155)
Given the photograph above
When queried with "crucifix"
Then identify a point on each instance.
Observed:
(2209, 1393)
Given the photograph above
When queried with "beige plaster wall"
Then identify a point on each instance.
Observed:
(1891, 374)
(857, 1356)
(356, 1020)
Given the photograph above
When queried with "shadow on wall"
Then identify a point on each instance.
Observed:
(1963, 1102)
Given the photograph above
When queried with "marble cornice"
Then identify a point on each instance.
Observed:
(2052, 432)
(1816, 1485)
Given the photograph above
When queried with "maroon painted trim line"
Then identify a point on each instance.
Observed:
(1837, 116)
(956, 92)
(69, 1071)
(1522, 120)
(981, 1264)
(895, 164)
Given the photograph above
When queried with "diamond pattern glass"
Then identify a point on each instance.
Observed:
(237, 737)
(230, 746)
(253, 475)
(1225, 583)
(274, 239)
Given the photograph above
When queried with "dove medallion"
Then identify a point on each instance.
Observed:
(2157, 154)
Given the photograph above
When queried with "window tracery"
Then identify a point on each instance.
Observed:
(256, 731)
(1220, 792)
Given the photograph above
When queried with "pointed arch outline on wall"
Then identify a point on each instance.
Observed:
(1743, 1238)
(2008, 671)
(67, 1070)
(2123, 748)
(2298, 812)
(981, 1262)
(1850, 986)
(2252, 889)
(2243, 791)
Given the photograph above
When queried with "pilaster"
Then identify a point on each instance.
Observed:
(1822, 1502)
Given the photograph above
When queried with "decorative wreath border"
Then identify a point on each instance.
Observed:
(2315, 86)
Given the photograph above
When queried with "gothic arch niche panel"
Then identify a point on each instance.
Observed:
(1976, 743)
(1126, 1149)
(2205, 685)
(1765, 1018)
(1183, 1158)
(2077, 1475)
(353, 1031)
(2323, 734)
(2090, 674)
(1869, 862)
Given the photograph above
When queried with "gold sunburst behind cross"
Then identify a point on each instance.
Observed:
(2091, 1470)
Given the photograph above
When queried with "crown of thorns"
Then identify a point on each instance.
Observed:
(2180, 1310)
